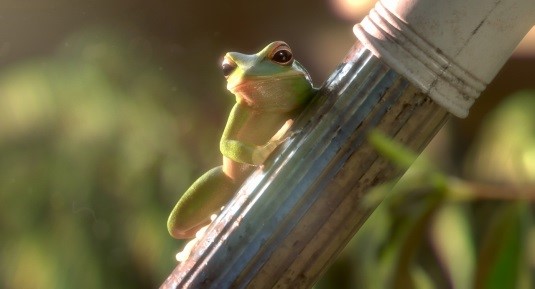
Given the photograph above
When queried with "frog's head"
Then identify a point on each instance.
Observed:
(268, 80)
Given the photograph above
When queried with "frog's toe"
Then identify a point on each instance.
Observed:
(179, 232)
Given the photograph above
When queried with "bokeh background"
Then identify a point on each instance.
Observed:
(110, 109)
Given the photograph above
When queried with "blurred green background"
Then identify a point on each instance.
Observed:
(109, 110)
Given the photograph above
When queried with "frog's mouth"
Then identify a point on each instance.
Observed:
(279, 93)
(259, 82)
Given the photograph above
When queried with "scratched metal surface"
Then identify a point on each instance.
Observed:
(293, 216)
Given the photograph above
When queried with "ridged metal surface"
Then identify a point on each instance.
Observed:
(291, 218)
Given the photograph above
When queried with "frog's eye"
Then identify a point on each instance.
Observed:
(282, 55)
(228, 66)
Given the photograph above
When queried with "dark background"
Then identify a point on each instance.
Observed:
(110, 109)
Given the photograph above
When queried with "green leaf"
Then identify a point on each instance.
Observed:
(390, 149)
(451, 239)
(503, 249)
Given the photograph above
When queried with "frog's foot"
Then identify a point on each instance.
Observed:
(282, 131)
(294, 133)
(188, 234)
(184, 254)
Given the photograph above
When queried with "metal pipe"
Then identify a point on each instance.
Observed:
(294, 215)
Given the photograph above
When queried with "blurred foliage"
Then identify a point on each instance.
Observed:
(95, 147)
(434, 230)
(505, 152)
(98, 140)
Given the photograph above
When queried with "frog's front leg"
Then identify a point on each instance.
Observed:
(250, 136)
(247, 153)
(204, 197)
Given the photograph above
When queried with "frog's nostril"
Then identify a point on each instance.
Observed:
(228, 66)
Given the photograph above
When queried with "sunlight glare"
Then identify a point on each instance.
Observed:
(351, 9)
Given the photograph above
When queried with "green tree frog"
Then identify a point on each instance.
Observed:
(271, 89)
